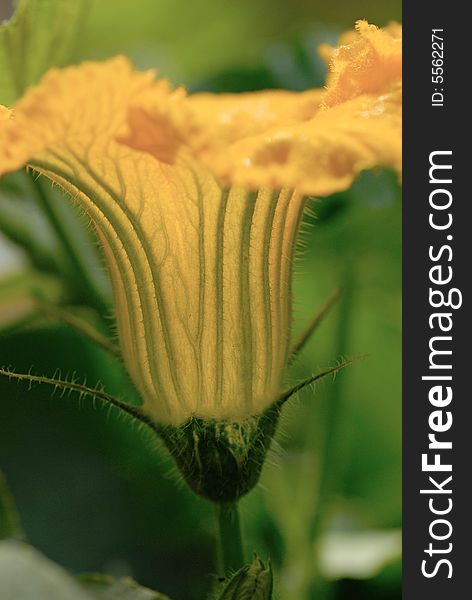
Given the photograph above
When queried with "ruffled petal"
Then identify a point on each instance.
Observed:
(322, 156)
(316, 141)
(368, 62)
(58, 109)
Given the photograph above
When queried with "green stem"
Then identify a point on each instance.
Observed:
(230, 538)
(334, 445)
(330, 463)
(313, 325)
(80, 325)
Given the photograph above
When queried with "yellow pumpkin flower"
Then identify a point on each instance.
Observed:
(197, 201)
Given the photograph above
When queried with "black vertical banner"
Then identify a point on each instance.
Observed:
(437, 350)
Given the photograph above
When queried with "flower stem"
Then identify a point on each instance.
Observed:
(80, 325)
(231, 554)
(333, 445)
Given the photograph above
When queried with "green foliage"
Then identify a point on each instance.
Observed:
(18, 297)
(10, 526)
(25, 574)
(40, 35)
(102, 587)
(229, 44)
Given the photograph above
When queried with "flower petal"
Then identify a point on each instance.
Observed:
(369, 61)
(233, 117)
(322, 156)
(201, 273)
(316, 141)
(4, 114)
(159, 123)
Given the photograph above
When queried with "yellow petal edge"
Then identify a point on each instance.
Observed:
(316, 141)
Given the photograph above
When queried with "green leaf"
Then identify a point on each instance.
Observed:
(19, 295)
(40, 35)
(252, 582)
(25, 574)
(12, 183)
(103, 587)
(9, 520)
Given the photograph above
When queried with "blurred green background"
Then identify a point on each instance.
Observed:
(98, 495)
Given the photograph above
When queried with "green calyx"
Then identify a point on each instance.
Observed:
(253, 581)
(221, 460)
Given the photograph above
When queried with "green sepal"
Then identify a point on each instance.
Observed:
(252, 582)
(221, 460)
